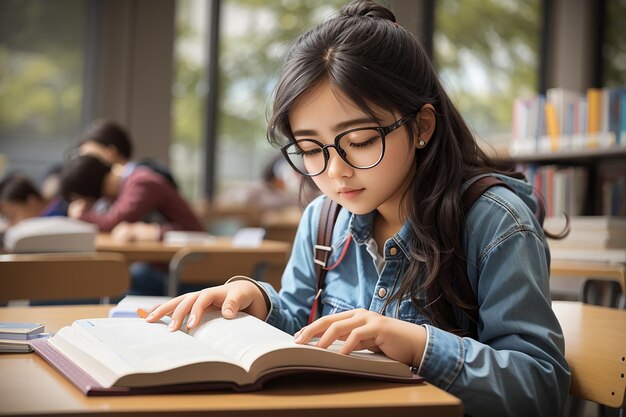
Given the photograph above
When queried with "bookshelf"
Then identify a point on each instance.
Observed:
(572, 147)
(587, 157)
(598, 164)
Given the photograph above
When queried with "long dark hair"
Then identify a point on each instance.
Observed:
(364, 54)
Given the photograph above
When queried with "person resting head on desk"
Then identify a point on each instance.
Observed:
(136, 194)
(110, 142)
(20, 199)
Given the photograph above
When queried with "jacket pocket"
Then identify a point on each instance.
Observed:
(406, 311)
(333, 305)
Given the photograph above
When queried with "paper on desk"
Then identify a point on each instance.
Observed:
(127, 307)
(248, 237)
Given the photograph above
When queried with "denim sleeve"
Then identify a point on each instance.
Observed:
(289, 310)
(517, 365)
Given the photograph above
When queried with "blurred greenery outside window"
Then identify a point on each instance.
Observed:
(189, 92)
(254, 35)
(42, 72)
(614, 48)
(487, 54)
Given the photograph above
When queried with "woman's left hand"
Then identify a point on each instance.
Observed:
(364, 329)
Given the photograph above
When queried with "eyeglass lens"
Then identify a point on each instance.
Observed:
(361, 149)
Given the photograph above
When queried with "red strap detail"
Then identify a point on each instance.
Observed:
(343, 253)
(314, 308)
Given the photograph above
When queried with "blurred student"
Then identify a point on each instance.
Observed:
(136, 194)
(112, 143)
(20, 199)
(143, 206)
(49, 187)
(275, 191)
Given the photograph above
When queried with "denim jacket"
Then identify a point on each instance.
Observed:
(516, 367)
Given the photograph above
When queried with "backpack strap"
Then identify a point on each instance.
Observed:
(328, 216)
(478, 188)
(321, 251)
(471, 194)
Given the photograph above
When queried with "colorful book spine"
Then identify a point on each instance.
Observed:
(552, 125)
(594, 116)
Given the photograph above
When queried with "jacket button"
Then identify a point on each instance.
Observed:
(393, 251)
(382, 292)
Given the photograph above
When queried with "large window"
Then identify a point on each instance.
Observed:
(189, 96)
(253, 38)
(614, 48)
(487, 53)
(42, 70)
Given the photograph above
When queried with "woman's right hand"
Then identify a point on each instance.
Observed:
(238, 295)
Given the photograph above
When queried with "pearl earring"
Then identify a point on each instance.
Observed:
(421, 142)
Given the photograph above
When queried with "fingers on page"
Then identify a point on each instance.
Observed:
(340, 329)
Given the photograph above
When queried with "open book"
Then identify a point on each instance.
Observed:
(114, 356)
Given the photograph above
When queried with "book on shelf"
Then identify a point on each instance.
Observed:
(568, 120)
(562, 188)
(121, 356)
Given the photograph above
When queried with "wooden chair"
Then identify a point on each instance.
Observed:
(226, 219)
(281, 225)
(599, 277)
(595, 348)
(197, 266)
(59, 276)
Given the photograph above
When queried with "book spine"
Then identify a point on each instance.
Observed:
(552, 123)
(594, 116)
(622, 119)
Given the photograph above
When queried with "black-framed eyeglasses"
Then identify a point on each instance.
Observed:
(361, 148)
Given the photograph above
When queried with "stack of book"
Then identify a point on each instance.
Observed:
(592, 238)
(17, 337)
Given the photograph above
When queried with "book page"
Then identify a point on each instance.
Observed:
(111, 348)
(246, 339)
(243, 338)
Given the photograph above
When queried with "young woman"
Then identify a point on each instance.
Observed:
(359, 108)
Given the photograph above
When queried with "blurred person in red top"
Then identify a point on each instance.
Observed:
(136, 194)
(143, 206)
(112, 143)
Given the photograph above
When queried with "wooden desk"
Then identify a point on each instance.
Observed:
(595, 346)
(30, 387)
(161, 252)
(598, 270)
